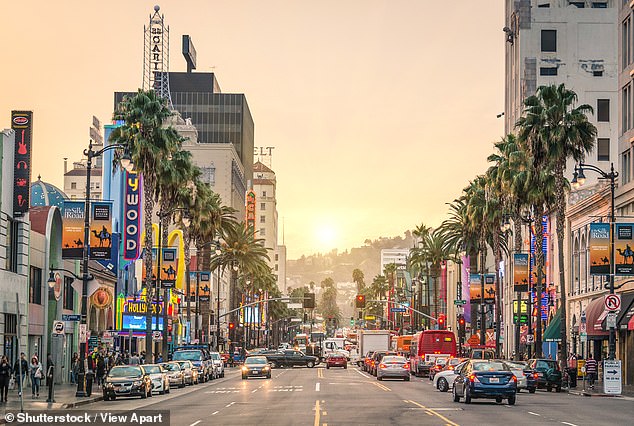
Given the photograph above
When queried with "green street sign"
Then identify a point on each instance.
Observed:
(459, 302)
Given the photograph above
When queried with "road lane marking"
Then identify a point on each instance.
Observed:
(569, 424)
(195, 423)
(382, 387)
(214, 413)
(229, 405)
(363, 374)
(254, 391)
(317, 387)
(431, 412)
(317, 414)
(534, 414)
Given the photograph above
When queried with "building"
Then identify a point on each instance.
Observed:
(570, 42)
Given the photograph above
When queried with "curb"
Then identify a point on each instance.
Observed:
(589, 394)
(82, 402)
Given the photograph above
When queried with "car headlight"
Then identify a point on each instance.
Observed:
(244, 368)
(265, 368)
(109, 385)
(137, 383)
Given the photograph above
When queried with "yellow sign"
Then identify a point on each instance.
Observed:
(370, 317)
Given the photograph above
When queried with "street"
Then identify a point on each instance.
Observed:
(317, 396)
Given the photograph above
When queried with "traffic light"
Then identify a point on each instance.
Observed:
(441, 322)
(351, 321)
(360, 301)
(309, 300)
(231, 326)
(461, 326)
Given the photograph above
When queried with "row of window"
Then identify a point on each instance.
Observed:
(598, 4)
(35, 289)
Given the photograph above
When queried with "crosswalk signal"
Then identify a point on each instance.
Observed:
(360, 301)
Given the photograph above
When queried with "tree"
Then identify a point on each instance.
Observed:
(357, 278)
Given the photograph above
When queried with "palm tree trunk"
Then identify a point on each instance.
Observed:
(539, 257)
(517, 233)
(148, 198)
(561, 218)
(498, 294)
(187, 239)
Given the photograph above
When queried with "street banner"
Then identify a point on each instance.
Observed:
(623, 249)
(132, 216)
(73, 229)
(475, 287)
(154, 266)
(100, 229)
(599, 244)
(250, 209)
(192, 286)
(520, 271)
(204, 286)
(169, 267)
(489, 287)
(22, 124)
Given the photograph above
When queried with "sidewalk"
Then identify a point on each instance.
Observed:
(64, 398)
(627, 391)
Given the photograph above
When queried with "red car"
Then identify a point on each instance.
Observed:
(336, 360)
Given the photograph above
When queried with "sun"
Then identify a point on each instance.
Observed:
(326, 236)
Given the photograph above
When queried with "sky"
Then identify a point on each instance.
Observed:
(380, 111)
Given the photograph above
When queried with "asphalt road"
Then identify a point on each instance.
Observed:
(317, 396)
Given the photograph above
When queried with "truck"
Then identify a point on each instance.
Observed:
(371, 340)
(291, 358)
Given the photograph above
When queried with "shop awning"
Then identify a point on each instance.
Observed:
(553, 331)
(595, 314)
(627, 311)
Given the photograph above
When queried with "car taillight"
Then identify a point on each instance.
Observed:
(515, 378)
(406, 366)
(451, 367)
(535, 375)
(473, 378)
(382, 366)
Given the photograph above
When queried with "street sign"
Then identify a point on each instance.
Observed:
(611, 320)
(71, 317)
(612, 377)
(370, 317)
(473, 340)
(82, 333)
(584, 337)
(530, 338)
(398, 309)
(157, 336)
(295, 306)
(612, 302)
(459, 302)
(58, 327)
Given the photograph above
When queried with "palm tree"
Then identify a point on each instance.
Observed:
(357, 278)
(150, 143)
(558, 131)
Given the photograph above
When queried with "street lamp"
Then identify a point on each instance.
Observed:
(126, 162)
(578, 180)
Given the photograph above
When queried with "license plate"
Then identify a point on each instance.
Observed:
(540, 374)
(494, 380)
(256, 372)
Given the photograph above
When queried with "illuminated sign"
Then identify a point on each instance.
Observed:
(132, 217)
(73, 229)
(100, 230)
(140, 307)
(250, 209)
(138, 322)
(22, 124)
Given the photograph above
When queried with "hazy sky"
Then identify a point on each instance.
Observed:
(380, 112)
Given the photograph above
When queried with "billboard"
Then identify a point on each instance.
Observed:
(520, 271)
(73, 229)
(132, 216)
(100, 229)
(599, 244)
(138, 322)
(623, 249)
(22, 124)
(475, 287)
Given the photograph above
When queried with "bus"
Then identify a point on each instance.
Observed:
(428, 345)
(401, 344)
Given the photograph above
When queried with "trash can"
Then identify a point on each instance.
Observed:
(572, 377)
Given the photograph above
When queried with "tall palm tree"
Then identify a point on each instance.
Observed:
(357, 278)
(150, 143)
(558, 131)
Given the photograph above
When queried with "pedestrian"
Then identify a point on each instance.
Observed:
(591, 370)
(20, 369)
(35, 373)
(134, 359)
(50, 365)
(5, 377)
(101, 369)
(74, 368)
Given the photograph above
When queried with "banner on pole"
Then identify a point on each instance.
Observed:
(73, 230)
(100, 229)
(599, 244)
(623, 249)
(520, 271)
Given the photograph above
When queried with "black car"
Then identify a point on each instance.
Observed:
(127, 380)
(256, 366)
(491, 379)
(546, 372)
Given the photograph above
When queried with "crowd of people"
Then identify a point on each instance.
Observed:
(16, 375)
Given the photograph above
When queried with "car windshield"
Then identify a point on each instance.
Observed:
(394, 359)
(172, 366)
(256, 360)
(545, 365)
(152, 369)
(490, 366)
(215, 355)
(187, 355)
(126, 372)
(183, 364)
(516, 365)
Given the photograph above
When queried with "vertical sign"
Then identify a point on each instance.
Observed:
(132, 216)
(73, 230)
(475, 288)
(192, 286)
(100, 229)
(520, 271)
(204, 290)
(169, 267)
(489, 287)
(154, 266)
(623, 249)
(22, 124)
(250, 210)
(599, 243)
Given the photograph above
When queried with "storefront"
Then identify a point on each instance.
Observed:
(625, 337)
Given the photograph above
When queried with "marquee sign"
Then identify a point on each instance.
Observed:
(22, 124)
(250, 209)
(132, 216)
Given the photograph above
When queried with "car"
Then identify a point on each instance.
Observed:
(492, 379)
(335, 359)
(367, 361)
(522, 377)
(175, 374)
(256, 366)
(160, 382)
(218, 364)
(549, 375)
(376, 360)
(291, 358)
(200, 359)
(127, 380)
(443, 381)
(482, 353)
(438, 366)
(393, 366)
(189, 372)
(284, 346)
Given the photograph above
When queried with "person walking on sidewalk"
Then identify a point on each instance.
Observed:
(5, 376)
(591, 370)
(35, 373)
(19, 371)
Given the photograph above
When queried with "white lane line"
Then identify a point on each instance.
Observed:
(534, 414)
(363, 374)
(195, 423)
(254, 390)
(229, 405)
(569, 424)
(214, 413)
(317, 385)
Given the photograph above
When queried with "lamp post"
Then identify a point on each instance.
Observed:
(127, 164)
(579, 179)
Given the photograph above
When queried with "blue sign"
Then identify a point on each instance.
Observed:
(398, 309)
(71, 317)
(137, 322)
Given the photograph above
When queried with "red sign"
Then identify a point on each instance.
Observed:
(612, 302)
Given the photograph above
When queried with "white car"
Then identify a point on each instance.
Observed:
(443, 380)
(160, 381)
(219, 364)
(518, 371)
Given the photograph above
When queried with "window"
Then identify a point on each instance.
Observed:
(262, 219)
(262, 206)
(548, 71)
(625, 166)
(603, 149)
(277, 257)
(599, 4)
(263, 193)
(544, 5)
(208, 174)
(603, 110)
(12, 245)
(597, 73)
(262, 232)
(627, 102)
(549, 40)
(69, 293)
(579, 4)
(73, 185)
(626, 40)
(35, 286)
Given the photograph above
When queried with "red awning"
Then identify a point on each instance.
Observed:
(595, 314)
(630, 325)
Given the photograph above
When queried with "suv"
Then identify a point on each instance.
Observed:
(201, 359)
(482, 353)
(218, 364)
(549, 375)
(376, 360)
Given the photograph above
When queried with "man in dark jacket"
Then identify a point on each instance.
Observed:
(20, 368)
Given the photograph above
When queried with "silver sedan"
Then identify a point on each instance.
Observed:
(393, 366)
